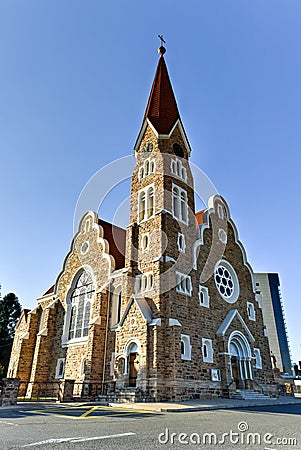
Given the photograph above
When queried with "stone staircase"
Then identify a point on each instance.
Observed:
(248, 394)
(123, 396)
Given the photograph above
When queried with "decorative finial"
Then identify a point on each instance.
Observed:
(161, 49)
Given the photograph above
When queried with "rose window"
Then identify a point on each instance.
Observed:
(226, 282)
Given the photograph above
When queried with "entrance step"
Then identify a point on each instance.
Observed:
(124, 396)
(248, 394)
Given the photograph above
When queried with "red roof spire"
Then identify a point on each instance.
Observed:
(162, 110)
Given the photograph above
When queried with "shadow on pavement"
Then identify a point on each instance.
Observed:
(274, 409)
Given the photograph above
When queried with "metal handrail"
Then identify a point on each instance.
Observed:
(228, 385)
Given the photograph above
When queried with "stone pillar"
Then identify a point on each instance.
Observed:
(9, 395)
(66, 391)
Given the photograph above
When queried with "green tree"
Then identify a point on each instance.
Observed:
(10, 311)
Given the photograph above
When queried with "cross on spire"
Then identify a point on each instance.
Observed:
(161, 49)
(160, 36)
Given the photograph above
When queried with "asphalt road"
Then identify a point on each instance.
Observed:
(107, 428)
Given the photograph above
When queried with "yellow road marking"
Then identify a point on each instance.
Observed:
(117, 412)
(86, 413)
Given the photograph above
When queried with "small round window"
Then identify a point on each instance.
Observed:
(226, 281)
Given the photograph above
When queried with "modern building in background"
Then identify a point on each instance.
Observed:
(269, 296)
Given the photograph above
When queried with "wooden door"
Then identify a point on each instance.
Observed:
(235, 368)
(133, 369)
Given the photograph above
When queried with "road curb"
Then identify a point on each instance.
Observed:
(216, 407)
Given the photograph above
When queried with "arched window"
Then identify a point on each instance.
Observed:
(60, 368)
(146, 169)
(185, 347)
(141, 173)
(142, 206)
(176, 202)
(150, 210)
(80, 300)
(179, 204)
(184, 206)
(258, 361)
(204, 296)
(178, 169)
(183, 283)
(144, 282)
(207, 350)
(146, 203)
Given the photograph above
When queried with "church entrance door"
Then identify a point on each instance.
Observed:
(235, 370)
(133, 369)
(240, 361)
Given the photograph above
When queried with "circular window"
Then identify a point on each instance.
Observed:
(222, 235)
(148, 147)
(178, 151)
(84, 247)
(226, 281)
(133, 322)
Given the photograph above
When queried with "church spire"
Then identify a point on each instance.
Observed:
(162, 110)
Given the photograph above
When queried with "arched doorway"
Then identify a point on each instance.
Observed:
(240, 360)
(132, 351)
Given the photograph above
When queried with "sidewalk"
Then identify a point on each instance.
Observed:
(207, 404)
(188, 406)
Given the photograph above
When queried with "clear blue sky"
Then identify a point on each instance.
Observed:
(74, 82)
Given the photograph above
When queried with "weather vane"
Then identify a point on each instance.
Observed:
(160, 36)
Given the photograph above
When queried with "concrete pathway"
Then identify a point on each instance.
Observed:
(207, 404)
(188, 406)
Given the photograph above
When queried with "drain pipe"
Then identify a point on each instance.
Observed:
(106, 340)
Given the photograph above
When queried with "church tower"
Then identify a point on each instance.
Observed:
(162, 230)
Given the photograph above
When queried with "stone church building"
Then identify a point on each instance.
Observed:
(166, 308)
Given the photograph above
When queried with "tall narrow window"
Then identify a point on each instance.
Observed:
(204, 296)
(80, 313)
(144, 282)
(207, 350)
(182, 348)
(183, 283)
(142, 206)
(185, 347)
(87, 318)
(146, 203)
(258, 361)
(60, 368)
(176, 202)
(80, 300)
(119, 307)
(150, 210)
(178, 169)
(184, 206)
(72, 322)
(146, 169)
(116, 306)
(180, 204)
